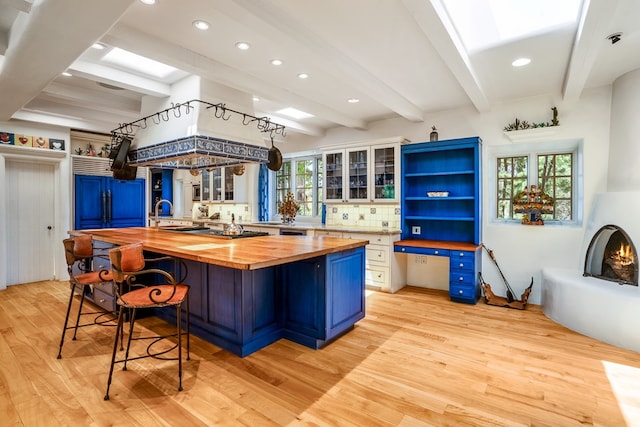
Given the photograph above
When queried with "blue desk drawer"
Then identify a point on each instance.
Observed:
(462, 292)
(421, 251)
(466, 278)
(464, 263)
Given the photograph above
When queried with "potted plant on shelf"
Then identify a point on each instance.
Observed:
(288, 208)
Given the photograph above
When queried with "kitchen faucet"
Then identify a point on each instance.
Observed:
(158, 203)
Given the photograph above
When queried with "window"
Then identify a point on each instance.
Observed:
(304, 178)
(553, 173)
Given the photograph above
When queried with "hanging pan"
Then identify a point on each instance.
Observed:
(275, 158)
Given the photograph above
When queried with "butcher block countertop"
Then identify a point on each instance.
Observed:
(248, 253)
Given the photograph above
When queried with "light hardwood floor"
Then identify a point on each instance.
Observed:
(417, 359)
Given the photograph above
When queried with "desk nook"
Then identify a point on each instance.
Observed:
(441, 209)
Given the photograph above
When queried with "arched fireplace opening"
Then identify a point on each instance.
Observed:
(612, 256)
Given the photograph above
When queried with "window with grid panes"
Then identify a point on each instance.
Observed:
(553, 173)
(304, 178)
(283, 183)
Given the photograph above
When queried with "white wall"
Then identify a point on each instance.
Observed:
(520, 250)
(624, 173)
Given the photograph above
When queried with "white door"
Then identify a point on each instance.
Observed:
(30, 194)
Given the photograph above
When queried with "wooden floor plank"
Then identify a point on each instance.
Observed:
(417, 359)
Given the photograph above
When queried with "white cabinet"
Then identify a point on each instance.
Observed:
(384, 269)
(362, 174)
(221, 185)
(385, 172)
(347, 175)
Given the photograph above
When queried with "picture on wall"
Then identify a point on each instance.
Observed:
(20, 140)
(6, 138)
(56, 144)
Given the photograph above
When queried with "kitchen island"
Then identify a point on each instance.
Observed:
(248, 293)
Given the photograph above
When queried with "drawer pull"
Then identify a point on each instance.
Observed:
(379, 276)
(461, 254)
(379, 255)
(461, 292)
(461, 278)
(102, 300)
(403, 249)
(461, 265)
(436, 252)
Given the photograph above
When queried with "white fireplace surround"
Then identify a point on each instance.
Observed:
(598, 308)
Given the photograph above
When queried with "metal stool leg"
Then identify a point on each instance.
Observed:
(75, 330)
(66, 321)
(113, 356)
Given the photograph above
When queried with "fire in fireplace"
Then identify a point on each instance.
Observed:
(612, 256)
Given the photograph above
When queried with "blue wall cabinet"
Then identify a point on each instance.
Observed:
(104, 202)
(161, 188)
(441, 208)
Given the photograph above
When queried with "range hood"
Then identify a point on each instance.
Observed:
(202, 125)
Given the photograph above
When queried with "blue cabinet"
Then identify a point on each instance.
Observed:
(441, 209)
(310, 302)
(105, 202)
(441, 190)
(161, 188)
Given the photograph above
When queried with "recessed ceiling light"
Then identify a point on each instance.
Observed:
(295, 113)
(303, 76)
(201, 25)
(98, 46)
(256, 99)
(353, 100)
(520, 62)
(148, 1)
(243, 45)
(276, 62)
(66, 74)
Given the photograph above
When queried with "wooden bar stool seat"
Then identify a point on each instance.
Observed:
(79, 252)
(128, 265)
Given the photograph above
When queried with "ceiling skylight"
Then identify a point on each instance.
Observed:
(485, 23)
(295, 113)
(131, 61)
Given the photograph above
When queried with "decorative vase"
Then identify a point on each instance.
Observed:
(433, 136)
(288, 219)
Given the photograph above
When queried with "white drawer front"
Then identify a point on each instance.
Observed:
(328, 233)
(376, 277)
(374, 239)
(377, 254)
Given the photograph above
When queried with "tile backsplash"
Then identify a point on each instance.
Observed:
(369, 215)
(240, 210)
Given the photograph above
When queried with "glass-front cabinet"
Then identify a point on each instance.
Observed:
(386, 168)
(358, 162)
(362, 174)
(218, 185)
(347, 175)
(334, 176)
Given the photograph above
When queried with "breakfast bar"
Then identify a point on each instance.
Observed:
(248, 293)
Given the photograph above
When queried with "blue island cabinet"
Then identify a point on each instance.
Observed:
(310, 302)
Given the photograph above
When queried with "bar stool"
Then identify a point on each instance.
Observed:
(78, 252)
(127, 264)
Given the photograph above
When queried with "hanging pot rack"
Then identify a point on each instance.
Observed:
(264, 124)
